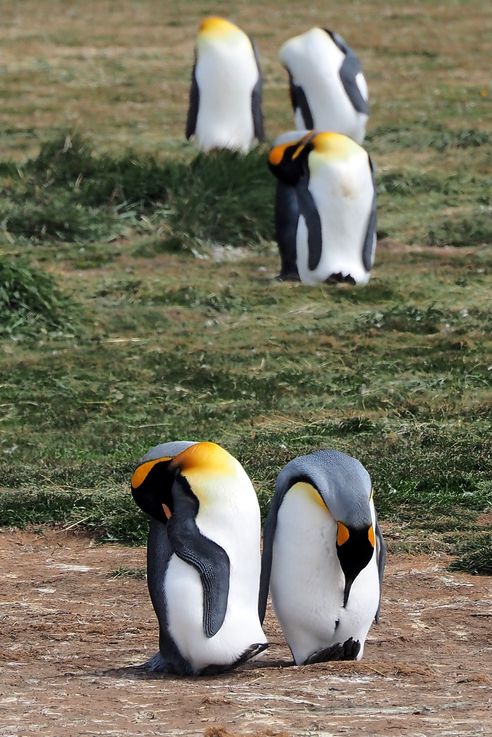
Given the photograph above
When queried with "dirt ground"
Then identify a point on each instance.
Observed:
(71, 630)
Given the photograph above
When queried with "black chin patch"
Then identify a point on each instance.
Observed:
(155, 490)
(355, 554)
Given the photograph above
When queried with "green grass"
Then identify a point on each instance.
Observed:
(137, 294)
(31, 303)
(474, 555)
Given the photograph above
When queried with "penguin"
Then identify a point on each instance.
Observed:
(325, 210)
(226, 89)
(203, 557)
(328, 90)
(323, 557)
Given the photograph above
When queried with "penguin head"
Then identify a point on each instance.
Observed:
(204, 470)
(288, 158)
(355, 548)
(151, 486)
(215, 31)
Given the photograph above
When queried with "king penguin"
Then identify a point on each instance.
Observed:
(328, 90)
(226, 87)
(325, 213)
(203, 557)
(323, 557)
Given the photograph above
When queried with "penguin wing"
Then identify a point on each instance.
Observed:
(299, 102)
(282, 486)
(269, 528)
(193, 103)
(286, 221)
(381, 555)
(209, 559)
(348, 72)
(309, 211)
(368, 247)
(159, 552)
(256, 97)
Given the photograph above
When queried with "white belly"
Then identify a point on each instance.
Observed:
(307, 581)
(343, 191)
(225, 117)
(184, 593)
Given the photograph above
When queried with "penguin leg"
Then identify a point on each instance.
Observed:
(158, 664)
(340, 651)
(289, 275)
(250, 652)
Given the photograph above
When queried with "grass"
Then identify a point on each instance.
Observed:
(137, 299)
(31, 303)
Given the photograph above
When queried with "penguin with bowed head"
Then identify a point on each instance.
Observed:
(226, 89)
(203, 557)
(325, 211)
(328, 89)
(323, 557)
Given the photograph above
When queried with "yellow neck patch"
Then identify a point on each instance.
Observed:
(205, 458)
(309, 492)
(217, 26)
(143, 471)
(335, 145)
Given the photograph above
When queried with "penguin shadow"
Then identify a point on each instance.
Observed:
(141, 673)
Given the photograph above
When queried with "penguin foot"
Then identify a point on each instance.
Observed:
(288, 276)
(340, 278)
(340, 651)
(250, 652)
(158, 664)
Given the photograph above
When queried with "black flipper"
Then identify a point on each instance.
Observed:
(209, 559)
(256, 99)
(193, 104)
(269, 528)
(286, 221)
(159, 551)
(381, 554)
(340, 651)
(299, 102)
(308, 209)
(348, 72)
(367, 248)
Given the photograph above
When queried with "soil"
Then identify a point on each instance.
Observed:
(72, 627)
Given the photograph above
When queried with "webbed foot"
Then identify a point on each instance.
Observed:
(289, 276)
(340, 651)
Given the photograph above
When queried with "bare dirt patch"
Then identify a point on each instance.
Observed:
(71, 631)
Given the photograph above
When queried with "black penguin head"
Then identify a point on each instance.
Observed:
(288, 161)
(355, 548)
(155, 485)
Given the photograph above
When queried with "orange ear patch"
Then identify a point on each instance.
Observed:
(370, 535)
(343, 533)
(143, 471)
(277, 154)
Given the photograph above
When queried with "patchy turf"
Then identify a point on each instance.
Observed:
(145, 306)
